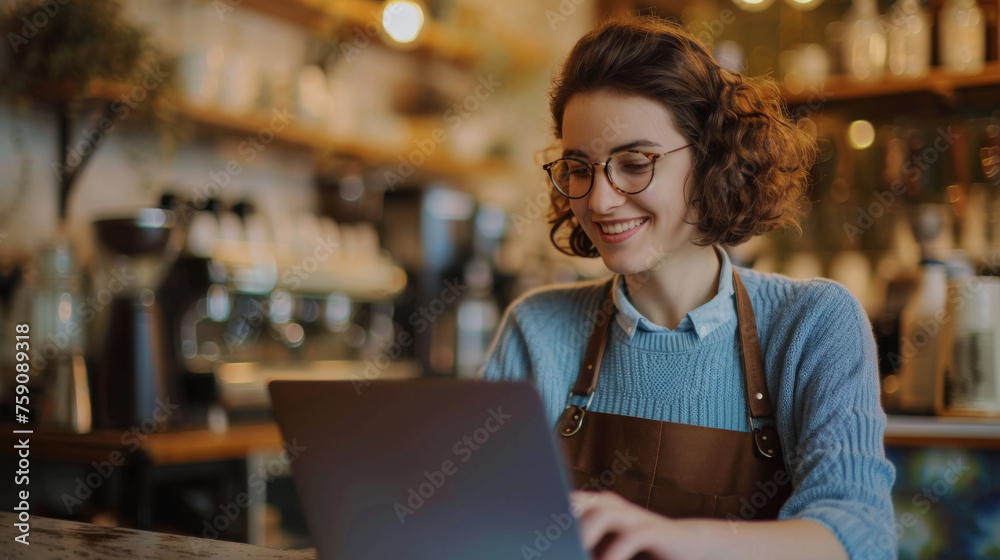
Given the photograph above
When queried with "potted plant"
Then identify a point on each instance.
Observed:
(65, 52)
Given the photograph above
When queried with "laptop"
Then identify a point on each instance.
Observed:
(427, 468)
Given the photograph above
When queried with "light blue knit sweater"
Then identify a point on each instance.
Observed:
(821, 368)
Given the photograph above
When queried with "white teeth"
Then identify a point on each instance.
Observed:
(622, 226)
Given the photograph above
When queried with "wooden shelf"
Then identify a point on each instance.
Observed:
(345, 17)
(167, 448)
(309, 137)
(938, 82)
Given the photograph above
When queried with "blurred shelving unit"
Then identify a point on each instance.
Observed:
(464, 46)
(217, 121)
(940, 83)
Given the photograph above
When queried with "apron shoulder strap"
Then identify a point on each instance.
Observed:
(586, 380)
(758, 400)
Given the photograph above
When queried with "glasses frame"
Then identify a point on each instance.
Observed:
(590, 166)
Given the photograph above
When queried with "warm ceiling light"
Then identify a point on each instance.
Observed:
(753, 5)
(804, 5)
(403, 20)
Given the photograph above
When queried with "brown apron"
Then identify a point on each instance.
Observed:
(679, 470)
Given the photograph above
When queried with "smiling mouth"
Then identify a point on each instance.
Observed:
(622, 227)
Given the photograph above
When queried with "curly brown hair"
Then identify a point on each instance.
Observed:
(750, 162)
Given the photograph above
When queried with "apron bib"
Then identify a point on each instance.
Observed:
(673, 469)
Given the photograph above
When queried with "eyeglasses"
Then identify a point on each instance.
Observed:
(629, 172)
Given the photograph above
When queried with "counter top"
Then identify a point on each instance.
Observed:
(54, 538)
(170, 448)
(942, 431)
(167, 448)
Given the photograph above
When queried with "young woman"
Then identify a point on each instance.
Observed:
(716, 412)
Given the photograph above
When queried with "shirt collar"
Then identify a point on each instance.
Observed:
(702, 320)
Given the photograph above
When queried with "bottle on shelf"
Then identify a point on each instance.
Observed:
(909, 39)
(920, 332)
(962, 36)
(921, 322)
(864, 43)
(973, 384)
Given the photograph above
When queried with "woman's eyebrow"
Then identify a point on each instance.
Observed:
(641, 143)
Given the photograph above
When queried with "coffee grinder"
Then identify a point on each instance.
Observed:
(133, 384)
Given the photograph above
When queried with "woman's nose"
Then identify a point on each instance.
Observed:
(604, 196)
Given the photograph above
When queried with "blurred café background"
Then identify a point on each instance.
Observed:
(197, 196)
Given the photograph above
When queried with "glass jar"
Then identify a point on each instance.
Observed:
(864, 42)
(909, 39)
(963, 36)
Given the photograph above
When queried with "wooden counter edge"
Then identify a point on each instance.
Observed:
(55, 538)
(166, 448)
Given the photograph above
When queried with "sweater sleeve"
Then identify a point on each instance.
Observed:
(840, 473)
(508, 358)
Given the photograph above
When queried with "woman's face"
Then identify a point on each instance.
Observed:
(599, 124)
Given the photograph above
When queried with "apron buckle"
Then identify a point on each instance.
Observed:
(572, 417)
(766, 440)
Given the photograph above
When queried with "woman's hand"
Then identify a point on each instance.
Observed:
(615, 529)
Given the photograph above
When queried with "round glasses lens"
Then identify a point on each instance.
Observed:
(631, 171)
(570, 176)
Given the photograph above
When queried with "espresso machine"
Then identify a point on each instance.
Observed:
(257, 295)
